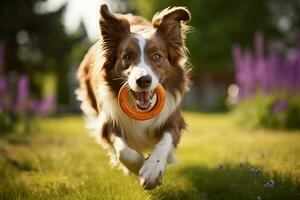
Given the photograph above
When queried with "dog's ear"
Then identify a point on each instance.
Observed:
(170, 23)
(113, 27)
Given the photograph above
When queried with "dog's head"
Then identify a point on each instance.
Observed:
(144, 54)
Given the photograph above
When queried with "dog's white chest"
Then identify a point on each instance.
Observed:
(140, 135)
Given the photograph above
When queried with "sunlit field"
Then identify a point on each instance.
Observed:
(216, 160)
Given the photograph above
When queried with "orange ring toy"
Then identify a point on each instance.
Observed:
(139, 115)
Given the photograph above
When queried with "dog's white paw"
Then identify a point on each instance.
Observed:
(152, 172)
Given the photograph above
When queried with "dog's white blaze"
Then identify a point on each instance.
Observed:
(142, 68)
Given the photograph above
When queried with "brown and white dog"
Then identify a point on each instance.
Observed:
(144, 54)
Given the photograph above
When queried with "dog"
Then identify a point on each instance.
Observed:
(132, 50)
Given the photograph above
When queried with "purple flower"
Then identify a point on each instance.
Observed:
(244, 75)
(273, 63)
(33, 105)
(259, 45)
(42, 107)
(46, 105)
(279, 107)
(268, 72)
(248, 74)
(22, 92)
(262, 74)
(3, 84)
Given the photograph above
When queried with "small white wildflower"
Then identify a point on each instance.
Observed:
(258, 170)
(270, 184)
(255, 170)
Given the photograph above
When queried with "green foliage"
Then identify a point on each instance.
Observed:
(36, 43)
(19, 122)
(6, 122)
(269, 112)
(62, 162)
(216, 26)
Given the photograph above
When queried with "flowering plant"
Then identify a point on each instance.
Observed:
(268, 86)
(17, 107)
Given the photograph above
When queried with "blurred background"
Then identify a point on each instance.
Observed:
(245, 57)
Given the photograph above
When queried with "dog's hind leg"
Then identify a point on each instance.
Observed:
(130, 158)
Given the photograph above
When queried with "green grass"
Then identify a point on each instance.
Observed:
(60, 161)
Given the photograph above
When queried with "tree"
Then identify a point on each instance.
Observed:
(286, 19)
(216, 26)
(36, 43)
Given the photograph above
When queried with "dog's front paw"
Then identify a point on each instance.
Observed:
(152, 172)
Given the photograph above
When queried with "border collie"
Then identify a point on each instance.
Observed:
(132, 50)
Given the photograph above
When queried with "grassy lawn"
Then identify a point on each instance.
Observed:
(216, 160)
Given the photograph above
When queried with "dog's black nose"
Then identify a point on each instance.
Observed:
(144, 81)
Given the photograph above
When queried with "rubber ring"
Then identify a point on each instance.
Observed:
(140, 115)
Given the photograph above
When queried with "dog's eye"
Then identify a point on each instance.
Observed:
(127, 58)
(156, 57)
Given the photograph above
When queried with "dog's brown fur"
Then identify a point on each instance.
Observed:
(103, 65)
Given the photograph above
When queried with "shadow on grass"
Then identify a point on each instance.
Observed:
(230, 182)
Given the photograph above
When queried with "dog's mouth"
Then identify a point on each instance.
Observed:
(143, 99)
